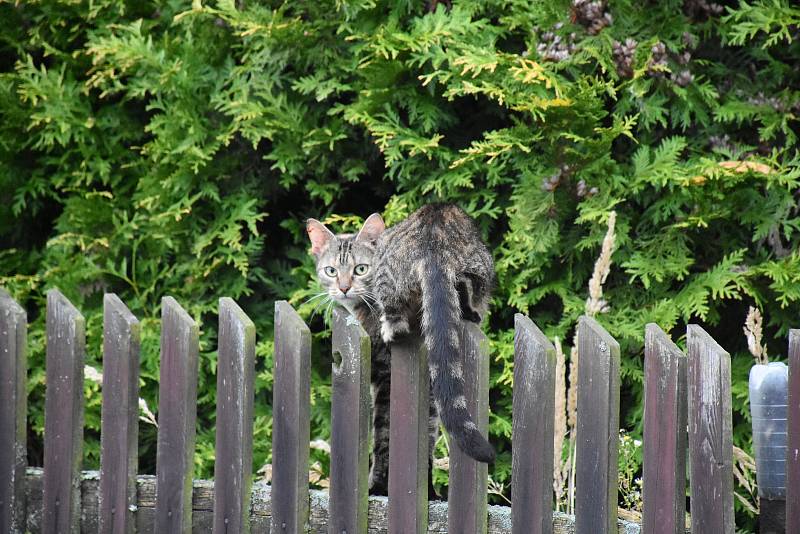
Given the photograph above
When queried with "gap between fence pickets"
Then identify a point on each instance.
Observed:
(499, 517)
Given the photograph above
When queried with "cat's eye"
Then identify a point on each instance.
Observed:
(330, 271)
(361, 269)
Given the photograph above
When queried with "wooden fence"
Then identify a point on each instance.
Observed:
(679, 389)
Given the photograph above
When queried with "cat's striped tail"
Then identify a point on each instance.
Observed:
(441, 317)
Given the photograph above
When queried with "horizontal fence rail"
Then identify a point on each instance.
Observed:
(680, 389)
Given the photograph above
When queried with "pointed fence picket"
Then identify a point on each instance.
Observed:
(13, 410)
(664, 476)
(63, 416)
(678, 390)
(119, 454)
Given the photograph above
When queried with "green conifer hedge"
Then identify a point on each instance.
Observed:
(175, 148)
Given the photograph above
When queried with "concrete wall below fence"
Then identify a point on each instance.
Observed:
(203, 504)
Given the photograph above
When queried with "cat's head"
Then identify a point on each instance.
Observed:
(344, 261)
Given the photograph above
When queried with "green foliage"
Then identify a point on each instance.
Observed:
(174, 148)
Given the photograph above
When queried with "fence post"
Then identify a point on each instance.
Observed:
(664, 471)
(597, 430)
(63, 415)
(291, 397)
(532, 434)
(119, 453)
(710, 434)
(233, 466)
(467, 497)
(793, 438)
(13, 413)
(409, 411)
(349, 426)
(177, 413)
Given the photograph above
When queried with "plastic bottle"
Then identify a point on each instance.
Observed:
(768, 406)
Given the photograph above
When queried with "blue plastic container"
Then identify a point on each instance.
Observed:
(769, 387)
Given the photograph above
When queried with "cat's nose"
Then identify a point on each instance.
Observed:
(344, 289)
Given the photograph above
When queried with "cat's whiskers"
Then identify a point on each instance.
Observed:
(315, 297)
(323, 302)
(371, 309)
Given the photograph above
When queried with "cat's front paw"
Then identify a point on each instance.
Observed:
(391, 330)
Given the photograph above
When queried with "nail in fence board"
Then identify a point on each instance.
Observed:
(793, 445)
(177, 413)
(119, 418)
(664, 472)
(63, 415)
(408, 438)
(467, 498)
(13, 413)
(710, 434)
(233, 465)
(597, 430)
(349, 426)
(291, 396)
(532, 434)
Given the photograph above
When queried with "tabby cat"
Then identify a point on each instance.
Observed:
(344, 270)
(434, 265)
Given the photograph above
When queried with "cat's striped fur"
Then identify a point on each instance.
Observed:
(343, 252)
(435, 266)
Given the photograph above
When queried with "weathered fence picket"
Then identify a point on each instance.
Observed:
(291, 395)
(119, 453)
(408, 438)
(63, 415)
(13, 412)
(597, 430)
(793, 438)
(533, 420)
(664, 469)
(177, 413)
(233, 462)
(710, 433)
(349, 426)
(467, 498)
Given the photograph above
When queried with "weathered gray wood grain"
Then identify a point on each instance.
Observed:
(177, 413)
(793, 438)
(597, 429)
(233, 465)
(532, 433)
(710, 434)
(291, 397)
(467, 496)
(119, 456)
(13, 413)
(408, 438)
(499, 517)
(664, 471)
(63, 415)
(349, 425)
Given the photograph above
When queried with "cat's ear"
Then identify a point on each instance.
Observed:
(372, 229)
(319, 235)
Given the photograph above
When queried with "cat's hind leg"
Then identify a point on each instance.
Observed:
(466, 288)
